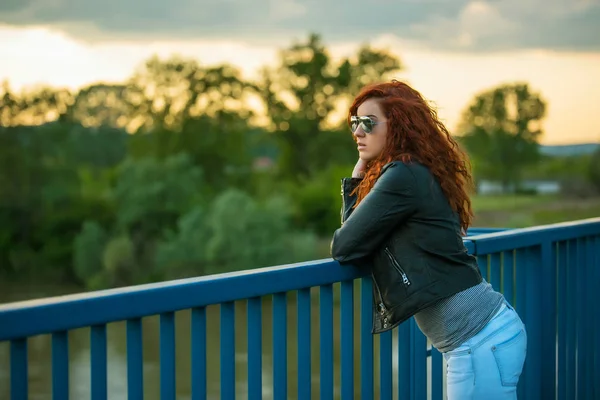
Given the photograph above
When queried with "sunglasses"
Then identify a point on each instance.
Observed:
(366, 123)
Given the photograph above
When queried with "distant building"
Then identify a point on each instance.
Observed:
(539, 187)
(262, 164)
(569, 150)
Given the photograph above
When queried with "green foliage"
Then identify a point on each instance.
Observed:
(150, 192)
(575, 174)
(119, 260)
(32, 107)
(303, 94)
(318, 200)
(88, 251)
(183, 252)
(500, 129)
(594, 169)
(168, 93)
(186, 169)
(244, 233)
(41, 200)
(520, 211)
(101, 105)
(236, 233)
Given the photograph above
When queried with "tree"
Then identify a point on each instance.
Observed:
(594, 169)
(305, 92)
(177, 105)
(500, 129)
(9, 106)
(33, 107)
(101, 105)
(151, 194)
(88, 249)
(235, 232)
(148, 167)
(164, 94)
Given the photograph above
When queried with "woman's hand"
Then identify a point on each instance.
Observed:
(359, 169)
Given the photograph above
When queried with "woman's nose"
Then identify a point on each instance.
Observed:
(359, 132)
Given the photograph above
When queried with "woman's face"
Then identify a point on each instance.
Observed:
(370, 129)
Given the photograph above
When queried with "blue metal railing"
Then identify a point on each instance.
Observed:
(550, 273)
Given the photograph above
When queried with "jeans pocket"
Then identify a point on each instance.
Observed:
(510, 357)
(459, 367)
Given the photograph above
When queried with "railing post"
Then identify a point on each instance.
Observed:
(582, 316)
(561, 384)
(60, 365)
(589, 316)
(419, 362)
(483, 264)
(571, 319)
(135, 359)
(18, 369)
(535, 269)
(548, 311)
(98, 362)
(366, 339)
(167, 356)
(254, 318)
(405, 348)
(385, 366)
(304, 343)
(326, 341)
(596, 311)
(347, 340)
(508, 276)
(551, 276)
(198, 353)
(521, 269)
(280, 387)
(227, 350)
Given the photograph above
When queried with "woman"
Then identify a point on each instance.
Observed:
(404, 213)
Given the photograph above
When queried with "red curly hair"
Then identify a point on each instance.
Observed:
(415, 133)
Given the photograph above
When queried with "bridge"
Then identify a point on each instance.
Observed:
(314, 320)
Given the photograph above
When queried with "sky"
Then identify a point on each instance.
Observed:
(451, 49)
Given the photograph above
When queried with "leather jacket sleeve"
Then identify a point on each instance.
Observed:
(390, 202)
(348, 199)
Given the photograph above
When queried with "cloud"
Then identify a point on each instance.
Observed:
(286, 9)
(465, 25)
(510, 24)
(477, 23)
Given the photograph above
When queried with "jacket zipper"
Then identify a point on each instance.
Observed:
(382, 308)
(343, 204)
(405, 279)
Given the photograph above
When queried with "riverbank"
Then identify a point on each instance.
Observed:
(490, 211)
(523, 211)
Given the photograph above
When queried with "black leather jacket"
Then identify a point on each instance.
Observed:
(405, 231)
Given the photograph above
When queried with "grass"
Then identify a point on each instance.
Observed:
(509, 202)
(513, 211)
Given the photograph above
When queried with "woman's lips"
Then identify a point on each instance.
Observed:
(362, 146)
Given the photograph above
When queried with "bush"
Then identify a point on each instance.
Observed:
(594, 170)
(317, 201)
(236, 233)
(88, 249)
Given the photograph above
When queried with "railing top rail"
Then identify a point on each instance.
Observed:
(480, 230)
(518, 238)
(34, 317)
(52, 314)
